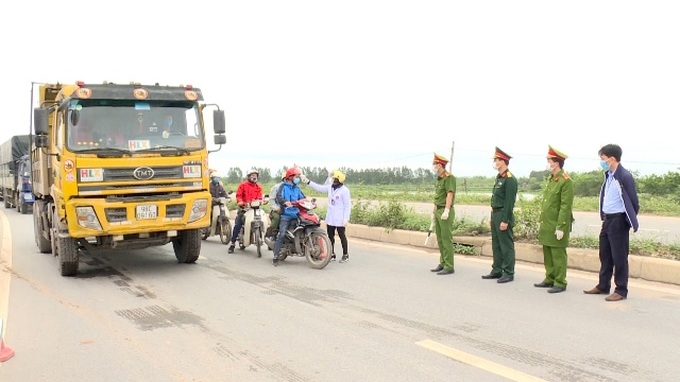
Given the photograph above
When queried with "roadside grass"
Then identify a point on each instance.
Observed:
(396, 215)
(391, 213)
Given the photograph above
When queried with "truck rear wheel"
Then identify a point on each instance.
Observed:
(41, 235)
(23, 208)
(187, 246)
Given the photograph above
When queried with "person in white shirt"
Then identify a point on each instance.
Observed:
(339, 209)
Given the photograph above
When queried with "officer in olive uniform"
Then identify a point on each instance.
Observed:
(556, 221)
(443, 214)
(503, 220)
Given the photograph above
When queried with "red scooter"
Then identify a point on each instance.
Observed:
(305, 237)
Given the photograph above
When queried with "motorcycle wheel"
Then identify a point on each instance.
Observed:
(257, 240)
(205, 232)
(318, 249)
(225, 231)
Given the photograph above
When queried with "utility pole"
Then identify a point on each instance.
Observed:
(453, 143)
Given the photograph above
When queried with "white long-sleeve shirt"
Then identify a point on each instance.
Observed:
(339, 203)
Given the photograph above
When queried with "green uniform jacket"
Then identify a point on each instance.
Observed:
(556, 211)
(445, 184)
(504, 195)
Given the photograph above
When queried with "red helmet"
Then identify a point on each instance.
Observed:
(293, 171)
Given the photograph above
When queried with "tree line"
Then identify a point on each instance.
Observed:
(585, 183)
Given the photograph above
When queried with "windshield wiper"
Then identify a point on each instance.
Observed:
(105, 152)
(175, 150)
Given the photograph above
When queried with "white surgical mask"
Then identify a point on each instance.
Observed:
(495, 166)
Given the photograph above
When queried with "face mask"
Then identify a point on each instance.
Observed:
(253, 179)
(216, 180)
(296, 180)
(435, 169)
(604, 165)
(168, 122)
(495, 166)
(548, 167)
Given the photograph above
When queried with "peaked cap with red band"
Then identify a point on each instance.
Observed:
(440, 159)
(555, 153)
(501, 154)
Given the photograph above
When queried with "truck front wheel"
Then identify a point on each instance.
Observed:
(187, 246)
(65, 251)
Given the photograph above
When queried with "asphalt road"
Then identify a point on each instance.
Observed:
(382, 316)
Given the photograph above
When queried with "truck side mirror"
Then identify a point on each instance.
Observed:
(41, 118)
(220, 139)
(218, 122)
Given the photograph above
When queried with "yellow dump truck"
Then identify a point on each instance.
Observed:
(120, 166)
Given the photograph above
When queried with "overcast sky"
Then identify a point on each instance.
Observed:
(367, 84)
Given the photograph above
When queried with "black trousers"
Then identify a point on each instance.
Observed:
(343, 238)
(614, 246)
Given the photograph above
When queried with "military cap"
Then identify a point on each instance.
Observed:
(440, 159)
(501, 154)
(555, 153)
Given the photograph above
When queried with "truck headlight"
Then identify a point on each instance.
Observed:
(198, 209)
(87, 218)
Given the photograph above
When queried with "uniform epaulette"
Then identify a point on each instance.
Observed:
(565, 175)
(509, 174)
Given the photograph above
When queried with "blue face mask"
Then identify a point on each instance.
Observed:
(216, 180)
(296, 180)
(604, 165)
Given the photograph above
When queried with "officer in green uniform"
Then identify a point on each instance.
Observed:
(556, 221)
(502, 220)
(443, 214)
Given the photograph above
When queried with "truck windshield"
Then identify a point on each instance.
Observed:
(133, 126)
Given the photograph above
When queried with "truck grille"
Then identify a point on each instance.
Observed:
(116, 215)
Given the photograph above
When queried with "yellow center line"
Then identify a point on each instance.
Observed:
(492, 367)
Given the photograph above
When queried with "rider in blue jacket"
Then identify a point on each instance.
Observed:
(288, 193)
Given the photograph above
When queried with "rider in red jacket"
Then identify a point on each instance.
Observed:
(246, 192)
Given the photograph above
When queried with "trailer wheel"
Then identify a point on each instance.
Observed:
(66, 251)
(187, 246)
(41, 235)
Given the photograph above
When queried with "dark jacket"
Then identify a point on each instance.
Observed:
(628, 193)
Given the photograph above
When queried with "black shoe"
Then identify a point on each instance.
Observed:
(543, 284)
(275, 262)
(491, 276)
(438, 269)
(333, 257)
(557, 289)
(231, 248)
(446, 272)
(345, 258)
(505, 279)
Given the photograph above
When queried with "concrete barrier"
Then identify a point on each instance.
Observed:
(642, 267)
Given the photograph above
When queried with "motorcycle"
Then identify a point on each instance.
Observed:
(219, 221)
(255, 224)
(305, 237)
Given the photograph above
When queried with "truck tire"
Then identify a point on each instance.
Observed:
(187, 246)
(24, 207)
(65, 251)
(43, 243)
(67, 256)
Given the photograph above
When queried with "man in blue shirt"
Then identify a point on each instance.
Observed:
(619, 207)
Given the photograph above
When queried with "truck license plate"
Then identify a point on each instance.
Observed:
(147, 211)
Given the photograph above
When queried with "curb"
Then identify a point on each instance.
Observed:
(640, 267)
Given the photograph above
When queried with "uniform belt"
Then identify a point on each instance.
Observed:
(441, 207)
(496, 209)
(611, 216)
